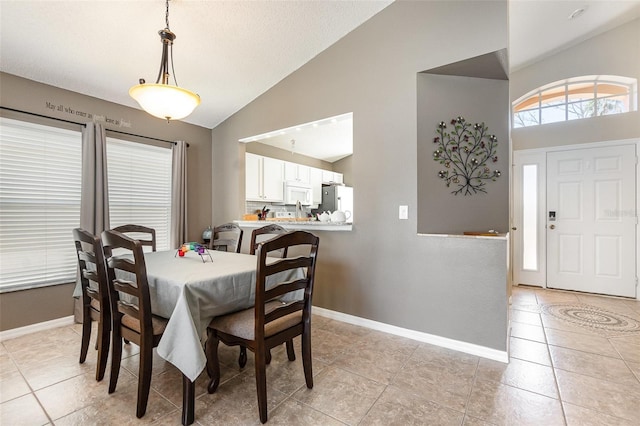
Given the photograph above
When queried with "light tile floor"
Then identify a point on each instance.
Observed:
(559, 373)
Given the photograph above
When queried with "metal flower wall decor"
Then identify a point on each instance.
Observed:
(464, 151)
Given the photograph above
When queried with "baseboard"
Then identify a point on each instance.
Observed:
(28, 329)
(457, 345)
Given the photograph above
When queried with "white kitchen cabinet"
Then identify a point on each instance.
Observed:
(264, 178)
(297, 172)
(273, 179)
(331, 177)
(316, 185)
(253, 177)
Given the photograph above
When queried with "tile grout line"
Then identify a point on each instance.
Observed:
(32, 391)
(553, 367)
(386, 385)
(473, 384)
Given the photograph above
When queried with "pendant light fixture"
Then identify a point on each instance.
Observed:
(162, 99)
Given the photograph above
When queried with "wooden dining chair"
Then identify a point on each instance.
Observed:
(95, 297)
(271, 322)
(257, 236)
(131, 310)
(272, 230)
(144, 234)
(227, 237)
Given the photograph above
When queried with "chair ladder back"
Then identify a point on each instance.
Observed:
(144, 234)
(129, 309)
(122, 264)
(285, 264)
(283, 310)
(286, 287)
(88, 257)
(135, 284)
(87, 275)
(231, 242)
(273, 230)
(265, 270)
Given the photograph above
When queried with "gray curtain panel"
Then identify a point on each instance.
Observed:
(94, 204)
(178, 232)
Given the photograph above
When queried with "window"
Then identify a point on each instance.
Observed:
(576, 98)
(40, 186)
(140, 186)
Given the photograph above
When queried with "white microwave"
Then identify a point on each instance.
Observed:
(297, 191)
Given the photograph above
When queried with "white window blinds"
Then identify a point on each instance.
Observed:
(40, 186)
(140, 187)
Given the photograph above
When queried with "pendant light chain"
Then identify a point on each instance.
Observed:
(166, 16)
(173, 71)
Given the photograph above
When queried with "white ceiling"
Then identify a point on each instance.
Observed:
(230, 52)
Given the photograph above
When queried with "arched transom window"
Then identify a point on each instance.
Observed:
(576, 98)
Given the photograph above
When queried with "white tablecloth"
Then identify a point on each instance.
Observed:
(190, 293)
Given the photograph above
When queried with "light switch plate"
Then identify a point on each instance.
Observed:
(403, 212)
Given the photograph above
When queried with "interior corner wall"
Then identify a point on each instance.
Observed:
(383, 270)
(21, 308)
(615, 52)
(345, 166)
(478, 100)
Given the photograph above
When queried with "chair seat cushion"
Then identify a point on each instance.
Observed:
(158, 323)
(241, 324)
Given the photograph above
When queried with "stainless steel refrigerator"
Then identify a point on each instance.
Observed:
(337, 197)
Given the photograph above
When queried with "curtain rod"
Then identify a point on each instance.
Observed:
(84, 124)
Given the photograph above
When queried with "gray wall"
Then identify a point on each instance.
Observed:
(281, 154)
(442, 98)
(382, 270)
(26, 307)
(616, 52)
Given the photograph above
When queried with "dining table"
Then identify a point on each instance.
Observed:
(191, 290)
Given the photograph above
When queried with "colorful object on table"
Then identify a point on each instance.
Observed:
(197, 247)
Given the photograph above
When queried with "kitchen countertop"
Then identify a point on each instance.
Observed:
(310, 225)
(491, 237)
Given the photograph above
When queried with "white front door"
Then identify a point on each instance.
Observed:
(591, 220)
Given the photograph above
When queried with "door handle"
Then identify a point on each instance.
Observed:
(552, 227)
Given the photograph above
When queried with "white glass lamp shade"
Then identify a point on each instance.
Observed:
(164, 100)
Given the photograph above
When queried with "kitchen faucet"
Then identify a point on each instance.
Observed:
(298, 209)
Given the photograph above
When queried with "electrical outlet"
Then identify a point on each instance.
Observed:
(403, 212)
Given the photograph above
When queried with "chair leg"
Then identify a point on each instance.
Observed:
(116, 355)
(290, 352)
(268, 357)
(306, 358)
(144, 378)
(242, 359)
(261, 383)
(86, 335)
(104, 340)
(213, 363)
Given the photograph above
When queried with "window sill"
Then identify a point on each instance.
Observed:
(30, 286)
